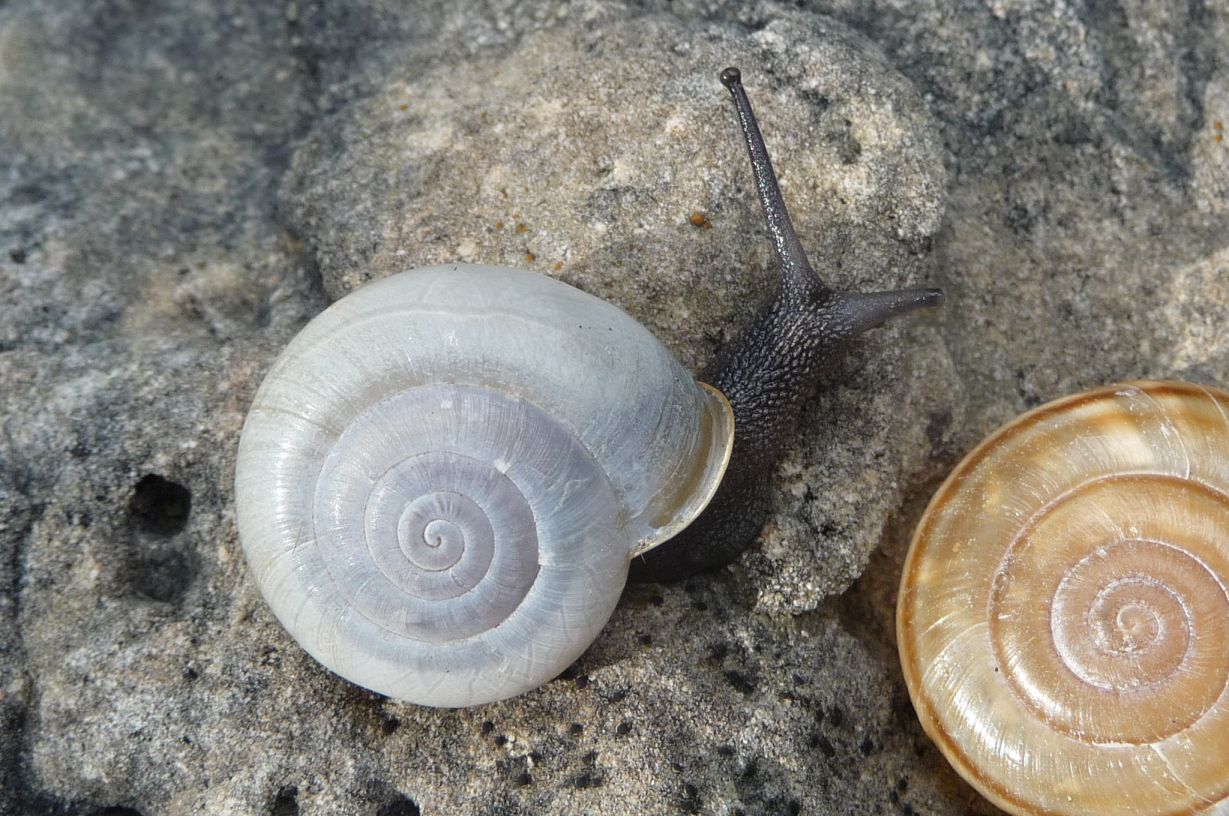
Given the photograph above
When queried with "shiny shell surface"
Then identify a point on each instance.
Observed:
(1063, 617)
(444, 476)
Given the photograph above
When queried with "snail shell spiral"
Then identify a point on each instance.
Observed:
(443, 478)
(1063, 618)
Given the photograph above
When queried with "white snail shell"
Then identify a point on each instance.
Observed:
(1063, 619)
(444, 476)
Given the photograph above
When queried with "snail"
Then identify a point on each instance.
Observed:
(1063, 616)
(444, 478)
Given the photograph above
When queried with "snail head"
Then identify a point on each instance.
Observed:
(768, 371)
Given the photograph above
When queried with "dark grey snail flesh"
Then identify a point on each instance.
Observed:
(766, 373)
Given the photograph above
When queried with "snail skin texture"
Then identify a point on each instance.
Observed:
(444, 478)
(1063, 618)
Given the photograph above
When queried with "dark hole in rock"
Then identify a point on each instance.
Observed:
(159, 506)
(588, 779)
(286, 803)
(740, 681)
(690, 802)
(116, 810)
(399, 805)
(24, 194)
(163, 573)
(160, 566)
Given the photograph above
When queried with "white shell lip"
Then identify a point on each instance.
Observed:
(697, 488)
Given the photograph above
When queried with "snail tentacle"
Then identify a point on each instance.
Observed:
(796, 272)
(867, 310)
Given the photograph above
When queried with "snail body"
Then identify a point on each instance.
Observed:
(445, 477)
(1063, 617)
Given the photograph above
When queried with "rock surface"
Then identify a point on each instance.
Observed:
(183, 185)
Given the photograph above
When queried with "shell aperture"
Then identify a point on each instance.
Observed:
(1063, 618)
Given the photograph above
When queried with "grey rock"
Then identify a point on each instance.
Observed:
(182, 186)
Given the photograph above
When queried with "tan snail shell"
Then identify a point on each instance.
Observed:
(1063, 618)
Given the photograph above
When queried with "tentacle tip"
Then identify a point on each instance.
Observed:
(866, 310)
(909, 300)
(731, 77)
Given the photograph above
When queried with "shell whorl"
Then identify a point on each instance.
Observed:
(442, 479)
(1063, 618)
